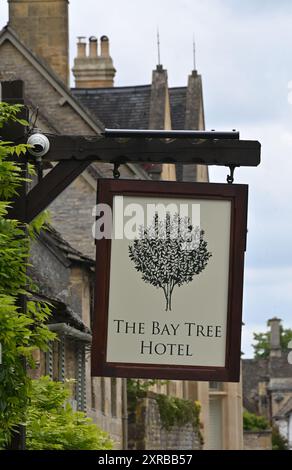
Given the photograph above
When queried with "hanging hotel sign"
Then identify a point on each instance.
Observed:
(169, 279)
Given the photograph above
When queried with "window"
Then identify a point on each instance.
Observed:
(114, 397)
(80, 383)
(93, 397)
(49, 360)
(55, 360)
(215, 424)
(216, 386)
(66, 358)
(102, 394)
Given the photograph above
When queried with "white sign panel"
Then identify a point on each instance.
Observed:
(169, 279)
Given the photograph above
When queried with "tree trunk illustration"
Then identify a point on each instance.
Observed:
(169, 299)
(168, 294)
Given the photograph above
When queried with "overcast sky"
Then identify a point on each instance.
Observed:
(244, 53)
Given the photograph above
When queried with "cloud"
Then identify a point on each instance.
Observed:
(268, 271)
(267, 293)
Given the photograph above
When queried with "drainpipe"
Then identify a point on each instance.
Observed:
(67, 330)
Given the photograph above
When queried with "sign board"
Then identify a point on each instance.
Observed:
(169, 280)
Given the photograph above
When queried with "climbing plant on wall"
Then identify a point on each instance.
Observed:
(22, 331)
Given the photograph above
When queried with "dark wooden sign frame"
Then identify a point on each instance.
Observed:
(237, 195)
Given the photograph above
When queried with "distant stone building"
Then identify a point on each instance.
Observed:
(34, 48)
(267, 384)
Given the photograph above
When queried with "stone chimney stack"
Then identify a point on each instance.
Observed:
(275, 335)
(93, 70)
(42, 25)
(159, 118)
(194, 119)
(159, 100)
(194, 103)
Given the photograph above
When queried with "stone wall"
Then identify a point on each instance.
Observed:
(257, 440)
(145, 430)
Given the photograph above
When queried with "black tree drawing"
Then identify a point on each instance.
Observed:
(169, 253)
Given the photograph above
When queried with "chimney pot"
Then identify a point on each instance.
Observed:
(81, 47)
(104, 46)
(92, 46)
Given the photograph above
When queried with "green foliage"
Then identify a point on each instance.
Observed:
(53, 425)
(9, 113)
(253, 422)
(137, 388)
(262, 345)
(178, 412)
(278, 441)
(262, 342)
(21, 330)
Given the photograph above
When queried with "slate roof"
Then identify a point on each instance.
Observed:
(128, 107)
(118, 107)
(177, 97)
(61, 312)
(50, 241)
(54, 241)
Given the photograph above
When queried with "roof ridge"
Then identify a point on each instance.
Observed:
(177, 88)
(59, 242)
(116, 88)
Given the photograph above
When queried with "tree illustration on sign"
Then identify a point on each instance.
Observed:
(169, 253)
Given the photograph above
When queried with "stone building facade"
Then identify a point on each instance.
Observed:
(267, 384)
(34, 48)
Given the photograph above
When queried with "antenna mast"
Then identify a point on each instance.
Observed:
(194, 52)
(158, 46)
